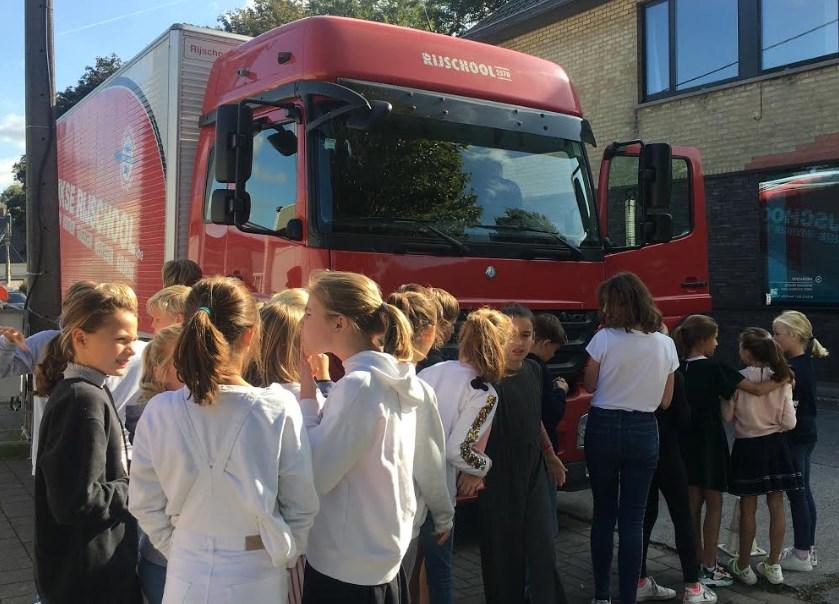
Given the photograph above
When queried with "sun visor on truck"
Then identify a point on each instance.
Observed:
(413, 102)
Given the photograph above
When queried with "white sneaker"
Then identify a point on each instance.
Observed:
(745, 575)
(790, 561)
(814, 557)
(704, 595)
(601, 602)
(653, 591)
(772, 572)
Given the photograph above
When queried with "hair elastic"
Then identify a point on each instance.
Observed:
(205, 309)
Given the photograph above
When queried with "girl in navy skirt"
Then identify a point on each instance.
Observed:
(761, 463)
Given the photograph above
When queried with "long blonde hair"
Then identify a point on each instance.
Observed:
(359, 299)
(156, 355)
(482, 340)
(801, 328)
(279, 358)
(88, 308)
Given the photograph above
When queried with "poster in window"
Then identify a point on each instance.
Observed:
(801, 237)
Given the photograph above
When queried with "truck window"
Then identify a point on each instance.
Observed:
(624, 211)
(486, 187)
(273, 182)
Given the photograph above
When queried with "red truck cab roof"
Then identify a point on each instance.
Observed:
(329, 48)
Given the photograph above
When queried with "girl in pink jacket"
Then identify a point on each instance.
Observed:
(761, 463)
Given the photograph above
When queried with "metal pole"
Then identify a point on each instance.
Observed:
(42, 236)
(7, 238)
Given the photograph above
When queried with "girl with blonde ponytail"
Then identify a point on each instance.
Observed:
(467, 401)
(228, 460)
(85, 539)
(363, 441)
(793, 332)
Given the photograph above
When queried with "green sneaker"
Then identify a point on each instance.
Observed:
(745, 575)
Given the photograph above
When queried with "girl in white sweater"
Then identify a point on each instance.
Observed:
(221, 480)
(467, 403)
(363, 441)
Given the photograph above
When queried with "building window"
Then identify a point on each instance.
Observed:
(692, 44)
(793, 31)
(800, 237)
(657, 45)
(706, 42)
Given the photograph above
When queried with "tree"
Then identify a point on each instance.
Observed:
(91, 78)
(450, 17)
(19, 170)
(14, 199)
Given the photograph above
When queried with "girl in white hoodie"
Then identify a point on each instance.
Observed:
(467, 402)
(221, 480)
(362, 444)
(431, 489)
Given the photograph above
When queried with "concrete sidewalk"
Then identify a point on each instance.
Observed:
(572, 550)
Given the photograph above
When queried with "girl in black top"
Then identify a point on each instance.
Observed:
(704, 445)
(85, 539)
(670, 478)
(794, 333)
(514, 505)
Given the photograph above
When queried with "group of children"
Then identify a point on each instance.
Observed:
(223, 462)
(657, 423)
(220, 461)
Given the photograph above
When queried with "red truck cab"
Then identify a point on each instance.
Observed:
(409, 156)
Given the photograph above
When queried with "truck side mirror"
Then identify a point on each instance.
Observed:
(658, 227)
(655, 176)
(234, 143)
(225, 204)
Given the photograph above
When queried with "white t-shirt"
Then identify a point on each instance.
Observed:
(633, 368)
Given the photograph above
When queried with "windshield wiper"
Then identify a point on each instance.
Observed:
(577, 252)
(454, 242)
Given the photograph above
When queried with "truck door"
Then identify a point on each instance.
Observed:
(676, 272)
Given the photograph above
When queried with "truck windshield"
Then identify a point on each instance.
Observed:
(491, 189)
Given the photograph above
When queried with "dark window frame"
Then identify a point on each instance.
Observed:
(749, 34)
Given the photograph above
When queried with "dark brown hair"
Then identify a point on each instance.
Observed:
(181, 272)
(359, 299)
(219, 311)
(693, 330)
(483, 338)
(766, 351)
(86, 308)
(548, 327)
(626, 303)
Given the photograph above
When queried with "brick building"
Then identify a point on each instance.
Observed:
(754, 85)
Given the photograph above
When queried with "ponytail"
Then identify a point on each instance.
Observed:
(482, 341)
(219, 311)
(799, 326)
(200, 357)
(817, 350)
(359, 299)
(51, 369)
(398, 338)
(86, 307)
(693, 330)
(766, 351)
